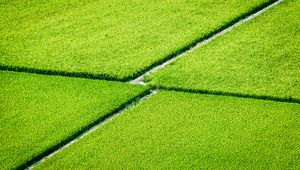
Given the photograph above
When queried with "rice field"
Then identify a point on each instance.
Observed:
(39, 112)
(69, 99)
(107, 39)
(175, 130)
(259, 58)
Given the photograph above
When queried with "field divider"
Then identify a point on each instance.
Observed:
(61, 73)
(86, 131)
(232, 94)
(205, 40)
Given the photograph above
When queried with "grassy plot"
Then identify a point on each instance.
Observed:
(106, 38)
(175, 130)
(38, 112)
(260, 57)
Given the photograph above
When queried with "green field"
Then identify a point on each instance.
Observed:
(38, 112)
(175, 130)
(115, 39)
(233, 103)
(258, 58)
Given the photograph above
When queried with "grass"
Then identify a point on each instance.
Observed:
(119, 40)
(39, 113)
(115, 39)
(259, 58)
(175, 130)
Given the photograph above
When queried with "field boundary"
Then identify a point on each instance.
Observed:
(60, 73)
(51, 151)
(232, 94)
(204, 40)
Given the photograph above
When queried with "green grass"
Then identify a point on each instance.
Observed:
(175, 130)
(119, 39)
(109, 38)
(38, 112)
(259, 58)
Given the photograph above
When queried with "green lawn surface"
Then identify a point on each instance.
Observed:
(176, 130)
(261, 57)
(37, 112)
(109, 38)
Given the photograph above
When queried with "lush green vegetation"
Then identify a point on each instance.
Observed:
(260, 58)
(111, 38)
(38, 112)
(175, 130)
(119, 39)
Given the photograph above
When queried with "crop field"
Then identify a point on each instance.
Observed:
(144, 84)
(180, 130)
(112, 39)
(39, 111)
(261, 58)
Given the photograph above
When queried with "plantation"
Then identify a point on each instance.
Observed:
(112, 39)
(38, 112)
(180, 130)
(221, 84)
(260, 58)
